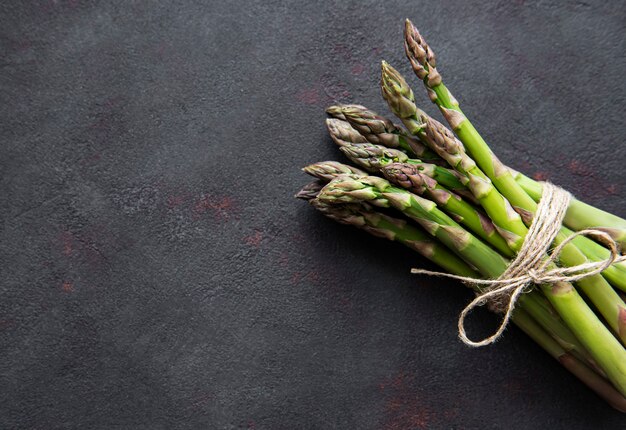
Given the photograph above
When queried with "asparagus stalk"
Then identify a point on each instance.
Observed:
(364, 217)
(375, 157)
(508, 221)
(328, 170)
(424, 62)
(380, 192)
(540, 309)
(381, 131)
(615, 274)
(400, 98)
(411, 178)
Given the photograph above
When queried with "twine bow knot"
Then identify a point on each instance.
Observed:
(531, 266)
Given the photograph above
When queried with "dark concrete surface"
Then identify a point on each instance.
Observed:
(156, 272)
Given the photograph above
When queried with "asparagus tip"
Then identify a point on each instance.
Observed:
(409, 176)
(397, 92)
(309, 191)
(337, 111)
(329, 170)
(342, 132)
(334, 111)
(422, 58)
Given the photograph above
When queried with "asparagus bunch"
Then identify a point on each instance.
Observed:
(444, 194)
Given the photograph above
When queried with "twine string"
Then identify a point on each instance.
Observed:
(531, 266)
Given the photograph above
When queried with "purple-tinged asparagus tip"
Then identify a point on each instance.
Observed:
(310, 191)
(409, 176)
(329, 170)
(422, 58)
(343, 133)
(397, 92)
(336, 111)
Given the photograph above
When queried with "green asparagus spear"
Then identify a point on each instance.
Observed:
(379, 192)
(374, 157)
(381, 131)
(411, 178)
(424, 64)
(363, 216)
(336, 111)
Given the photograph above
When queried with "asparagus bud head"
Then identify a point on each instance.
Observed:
(310, 191)
(373, 157)
(355, 189)
(409, 177)
(342, 132)
(397, 92)
(375, 128)
(336, 111)
(329, 170)
(444, 143)
(349, 214)
(422, 58)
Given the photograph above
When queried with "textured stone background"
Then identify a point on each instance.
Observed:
(156, 271)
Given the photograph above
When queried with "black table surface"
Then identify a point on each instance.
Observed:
(157, 272)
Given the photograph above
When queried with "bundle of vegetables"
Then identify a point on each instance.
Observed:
(444, 194)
